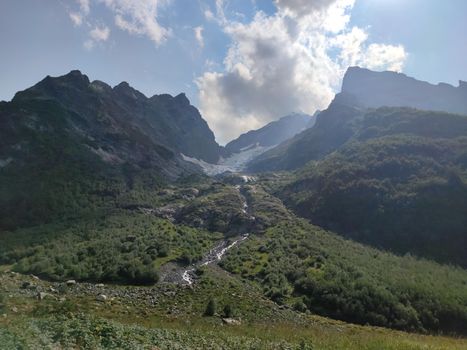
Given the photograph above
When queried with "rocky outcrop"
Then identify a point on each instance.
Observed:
(273, 133)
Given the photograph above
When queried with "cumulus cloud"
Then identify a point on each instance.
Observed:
(303, 7)
(380, 57)
(293, 60)
(198, 31)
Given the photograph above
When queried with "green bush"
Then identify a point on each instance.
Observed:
(211, 308)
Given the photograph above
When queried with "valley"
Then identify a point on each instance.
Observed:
(123, 224)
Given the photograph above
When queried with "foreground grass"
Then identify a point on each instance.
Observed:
(176, 322)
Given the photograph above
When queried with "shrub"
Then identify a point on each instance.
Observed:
(210, 308)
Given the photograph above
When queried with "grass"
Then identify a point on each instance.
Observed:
(83, 323)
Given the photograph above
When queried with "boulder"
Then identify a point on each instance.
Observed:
(101, 297)
(43, 295)
(70, 282)
(231, 322)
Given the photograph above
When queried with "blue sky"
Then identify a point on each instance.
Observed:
(241, 70)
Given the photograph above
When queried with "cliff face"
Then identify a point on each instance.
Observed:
(377, 89)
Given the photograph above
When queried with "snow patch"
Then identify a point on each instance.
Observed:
(235, 163)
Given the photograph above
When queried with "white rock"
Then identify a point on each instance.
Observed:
(101, 297)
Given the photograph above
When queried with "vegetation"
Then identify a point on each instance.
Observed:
(211, 308)
(404, 193)
(124, 247)
(218, 208)
(307, 268)
(82, 322)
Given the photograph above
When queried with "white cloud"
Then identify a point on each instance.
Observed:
(198, 31)
(96, 35)
(380, 56)
(139, 17)
(282, 63)
(84, 6)
(302, 7)
(100, 33)
(76, 18)
(89, 44)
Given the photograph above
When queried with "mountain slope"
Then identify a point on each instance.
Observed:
(67, 145)
(399, 183)
(361, 89)
(273, 133)
(329, 132)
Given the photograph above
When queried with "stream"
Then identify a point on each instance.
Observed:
(216, 253)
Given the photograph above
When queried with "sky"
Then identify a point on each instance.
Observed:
(243, 63)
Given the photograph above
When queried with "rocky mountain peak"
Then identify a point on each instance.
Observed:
(182, 99)
(392, 89)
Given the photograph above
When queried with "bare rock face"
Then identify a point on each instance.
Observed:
(391, 89)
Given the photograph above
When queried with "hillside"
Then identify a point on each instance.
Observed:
(398, 183)
(68, 145)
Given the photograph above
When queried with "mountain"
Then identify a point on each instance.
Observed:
(377, 89)
(273, 133)
(66, 139)
(361, 89)
(169, 121)
(393, 177)
(329, 132)
(99, 207)
(398, 183)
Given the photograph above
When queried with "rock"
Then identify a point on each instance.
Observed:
(4, 315)
(62, 299)
(70, 282)
(35, 277)
(43, 295)
(14, 309)
(100, 285)
(53, 290)
(231, 322)
(101, 297)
